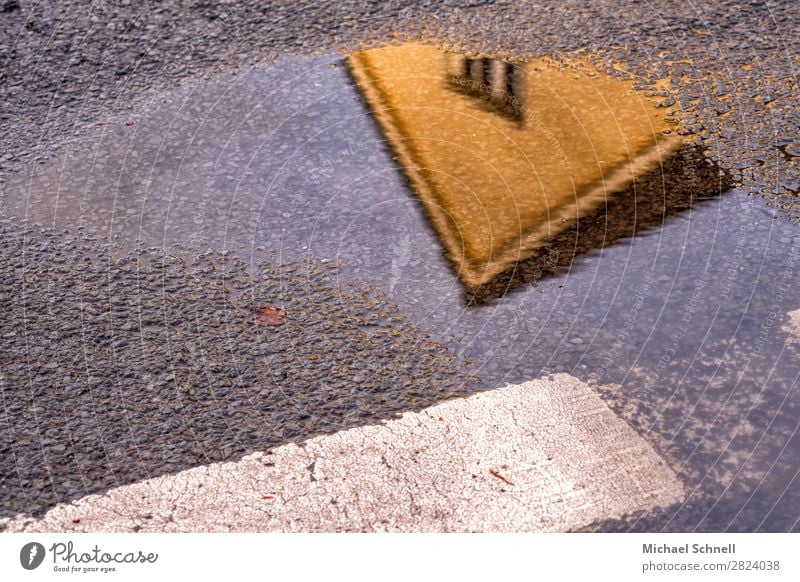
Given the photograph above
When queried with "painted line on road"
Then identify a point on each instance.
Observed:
(792, 327)
(546, 455)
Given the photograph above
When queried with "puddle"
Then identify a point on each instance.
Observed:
(448, 191)
(505, 157)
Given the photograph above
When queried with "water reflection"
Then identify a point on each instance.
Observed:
(498, 84)
(682, 331)
(510, 161)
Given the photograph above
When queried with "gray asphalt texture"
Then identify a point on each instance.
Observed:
(732, 65)
(124, 366)
(720, 410)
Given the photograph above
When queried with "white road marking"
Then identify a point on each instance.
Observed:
(792, 327)
(546, 455)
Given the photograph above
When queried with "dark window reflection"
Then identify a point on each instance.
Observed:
(498, 84)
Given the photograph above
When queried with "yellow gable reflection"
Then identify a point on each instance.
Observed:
(504, 157)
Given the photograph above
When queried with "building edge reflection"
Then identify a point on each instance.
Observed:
(687, 179)
(650, 184)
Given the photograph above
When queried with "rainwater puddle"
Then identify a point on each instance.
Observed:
(532, 217)
(504, 157)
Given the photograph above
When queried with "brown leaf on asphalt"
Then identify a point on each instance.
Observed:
(268, 316)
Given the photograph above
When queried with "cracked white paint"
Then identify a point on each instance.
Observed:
(546, 455)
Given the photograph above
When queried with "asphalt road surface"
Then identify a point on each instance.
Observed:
(171, 173)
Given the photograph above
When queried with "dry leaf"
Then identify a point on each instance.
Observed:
(268, 316)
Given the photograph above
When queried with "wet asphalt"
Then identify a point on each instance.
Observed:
(127, 365)
(127, 355)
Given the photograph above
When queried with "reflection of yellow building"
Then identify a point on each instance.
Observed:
(504, 157)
